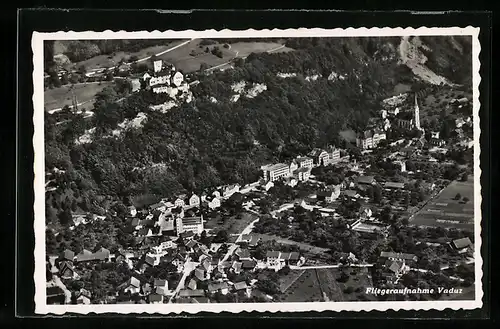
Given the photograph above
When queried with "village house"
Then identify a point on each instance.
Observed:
(243, 254)
(274, 172)
(194, 200)
(192, 293)
(350, 194)
(213, 202)
(230, 190)
(248, 265)
(217, 194)
(291, 181)
(83, 297)
(132, 211)
(180, 201)
(293, 166)
(274, 261)
(396, 270)
(320, 157)
(393, 186)
(161, 287)
(221, 287)
(66, 270)
(293, 258)
(155, 299)
(146, 289)
(365, 212)
(102, 254)
(200, 274)
(401, 164)
(236, 267)
(461, 246)
(266, 185)
(327, 196)
(238, 286)
(68, 255)
(133, 286)
(192, 284)
(365, 180)
(396, 256)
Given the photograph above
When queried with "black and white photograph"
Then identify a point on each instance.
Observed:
(291, 170)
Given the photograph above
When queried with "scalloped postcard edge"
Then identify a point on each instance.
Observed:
(39, 278)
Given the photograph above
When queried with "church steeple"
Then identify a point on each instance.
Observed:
(417, 113)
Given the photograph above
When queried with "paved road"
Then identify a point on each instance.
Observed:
(189, 266)
(232, 248)
(148, 57)
(61, 285)
(70, 106)
(236, 56)
(318, 267)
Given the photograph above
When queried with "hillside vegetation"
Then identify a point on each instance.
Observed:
(206, 143)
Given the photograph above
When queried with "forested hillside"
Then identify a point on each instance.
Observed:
(206, 143)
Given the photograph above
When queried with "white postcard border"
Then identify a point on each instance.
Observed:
(41, 306)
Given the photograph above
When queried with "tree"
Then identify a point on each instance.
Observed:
(377, 194)
(465, 199)
(203, 66)
(458, 196)
(65, 217)
(465, 177)
(239, 62)
(221, 237)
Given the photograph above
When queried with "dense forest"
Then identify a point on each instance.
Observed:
(204, 144)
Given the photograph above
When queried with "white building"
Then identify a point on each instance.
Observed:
(179, 202)
(304, 162)
(303, 174)
(274, 172)
(370, 138)
(213, 202)
(194, 200)
(401, 164)
(190, 224)
(334, 155)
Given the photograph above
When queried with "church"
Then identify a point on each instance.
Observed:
(409, 120)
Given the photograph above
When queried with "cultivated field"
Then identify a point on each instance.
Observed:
(84, 92)
(302, 246)
(444, 211)
(104, 61)
(190, 57)
(232, 225)
(183, 60)
(323, 285)
(304, 289)
(336, 291)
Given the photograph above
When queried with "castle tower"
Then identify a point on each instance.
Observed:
(417, 114)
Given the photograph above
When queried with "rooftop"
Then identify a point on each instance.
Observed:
(394, 185)
(462, 243)
(277, 166)
(398, 255)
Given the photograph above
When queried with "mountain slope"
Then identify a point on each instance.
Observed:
(204, 144)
